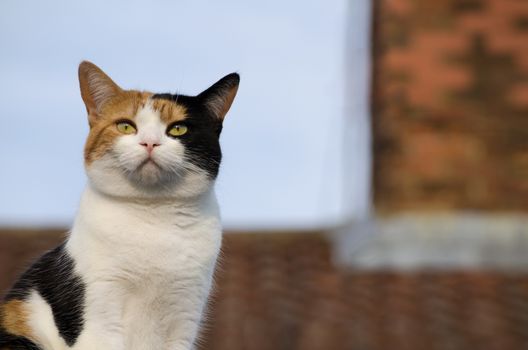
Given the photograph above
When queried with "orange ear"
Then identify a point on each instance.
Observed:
(219, 97)
(96, 89)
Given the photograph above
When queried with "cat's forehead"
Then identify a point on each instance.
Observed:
(168, 111)
(153, 110)
(136, 104)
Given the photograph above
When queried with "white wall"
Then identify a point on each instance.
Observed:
(282, 140)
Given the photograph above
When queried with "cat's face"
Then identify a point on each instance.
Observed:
(144, 145)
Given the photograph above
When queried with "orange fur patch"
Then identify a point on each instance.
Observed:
(103, 132)
(14, 316)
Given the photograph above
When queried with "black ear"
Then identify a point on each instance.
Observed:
(219, 97)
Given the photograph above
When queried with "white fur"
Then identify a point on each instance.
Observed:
(148, 268)
(42, 324)
(145, 251)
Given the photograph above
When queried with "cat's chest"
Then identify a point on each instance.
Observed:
(115, 241)
(152, 251)
(170, 251)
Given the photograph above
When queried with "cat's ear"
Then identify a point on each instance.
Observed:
(96, 88)
(219, 97)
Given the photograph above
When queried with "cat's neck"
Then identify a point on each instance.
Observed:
(104, 214)
(198, 202)
(143, 235)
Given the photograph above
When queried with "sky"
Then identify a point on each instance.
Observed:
(294, 143)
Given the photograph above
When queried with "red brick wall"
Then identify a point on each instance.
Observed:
(451, 105)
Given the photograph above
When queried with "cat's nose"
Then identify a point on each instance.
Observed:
(149, 145)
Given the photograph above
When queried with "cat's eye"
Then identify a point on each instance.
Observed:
(177, 130)
(126, 128)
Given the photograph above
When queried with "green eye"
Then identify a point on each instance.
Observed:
(177, 130)
(126, 128)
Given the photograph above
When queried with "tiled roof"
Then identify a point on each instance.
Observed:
(282, 291)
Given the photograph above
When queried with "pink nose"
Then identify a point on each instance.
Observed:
(149, 145)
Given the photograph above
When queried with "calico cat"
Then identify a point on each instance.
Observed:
(136, 269)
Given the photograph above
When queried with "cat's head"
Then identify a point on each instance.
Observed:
(145, 145)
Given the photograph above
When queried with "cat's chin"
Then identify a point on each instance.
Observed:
(148, 180)
(150, 174)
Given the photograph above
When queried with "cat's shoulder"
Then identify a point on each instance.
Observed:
(50, 284)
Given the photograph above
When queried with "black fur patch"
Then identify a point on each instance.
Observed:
(202, 147)
(11, 342)
(54, 278)
(201, 143)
